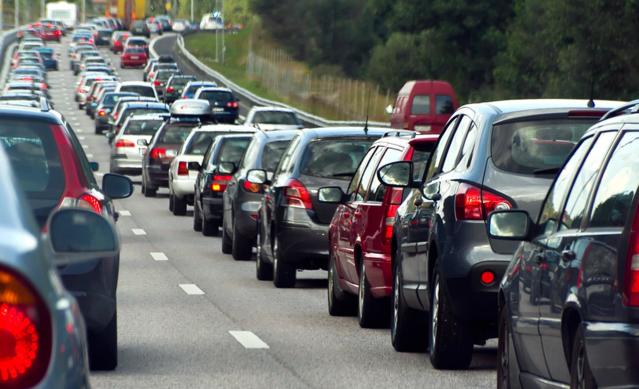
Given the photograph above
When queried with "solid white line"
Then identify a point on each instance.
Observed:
(82, 137)
(124, 212)
(91, 156)
(138, 231)
(248, 339)
(191, 289)
(85, 147)
(159, 256)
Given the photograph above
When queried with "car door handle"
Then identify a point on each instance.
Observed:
(568, 256)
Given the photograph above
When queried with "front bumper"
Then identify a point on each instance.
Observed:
(613, 353)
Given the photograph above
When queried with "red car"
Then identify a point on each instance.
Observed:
(133, 57)
(361, 231)
(423, 106)
(50, 32)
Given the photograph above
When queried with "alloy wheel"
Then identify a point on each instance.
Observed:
(395, 304)
(434, 319)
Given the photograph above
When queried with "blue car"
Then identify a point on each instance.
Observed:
(49, 58)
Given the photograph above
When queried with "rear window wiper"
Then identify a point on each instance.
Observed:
(550, 170)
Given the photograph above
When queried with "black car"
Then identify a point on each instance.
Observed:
(104, 108)
(242, 199)
(292, 222)
(225, 107)
(103, 37)
(491, 156)
(174, 87)
(139, 27)
(162, 148)
(569, 302)
(193, 86)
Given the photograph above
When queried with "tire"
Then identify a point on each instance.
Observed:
(283, 274)
(210, 228)
(580, 374)
(227, 243)
(409, 327)
(179, 206)
(171, 203)
(241, 249)
(197, 217)
(451, 344)
(103, 347)
(263, 269)
(507, 368)
(340, 303)
(371, 312)
(148, 192)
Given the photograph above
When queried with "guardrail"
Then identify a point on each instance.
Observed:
(259, 101)
(7, 39)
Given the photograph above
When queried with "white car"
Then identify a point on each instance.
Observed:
(85, 83)
(181, 178)
(145, 89)
(273, 118)
(130, 143)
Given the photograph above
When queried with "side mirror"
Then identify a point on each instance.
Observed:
(79, 235)
(396, 174)
(94, 166)
(116, 186)
(257, 176)
(330, 194)
(509, 225)
(143, 142)
(227, 168)
(389, 109)
(431, 191)
(194, 166)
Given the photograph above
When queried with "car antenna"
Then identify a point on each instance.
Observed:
(591, 102)
(368, 100)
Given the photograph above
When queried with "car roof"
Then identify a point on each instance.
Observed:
(31, 114)
(136, 83)
(404, 138)
(504, 107)
(279, 109)
(148, 116)
(226, 127)
(214, 89)
(336, 132)
(632, 118)
(145, 104)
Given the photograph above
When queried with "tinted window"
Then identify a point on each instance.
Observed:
(232, 150)
(420, 159)
(444, 104)
(275, 117)
(618, 184)
(578, 198)
(142, 127)
(134, 50)
(467, 149)
(453, 153)
(272, 154)
(111, 98)
(177, 82)
(199, 142)
(377, 190)
(175, 134)
(139, 89)
(552, 206)
(367, 175)
(334, 158)
(421, 105)
(526, 147)
(164, 75)
(216, 96)
(437, 159)
(287, 164)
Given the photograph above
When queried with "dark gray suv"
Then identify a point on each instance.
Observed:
(491, 156)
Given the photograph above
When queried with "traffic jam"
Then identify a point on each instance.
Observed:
(503, 228)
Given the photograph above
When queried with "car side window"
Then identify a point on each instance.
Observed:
(286, 164)
(577, 201)
(367, 176)
(467, 149)
(352, 187)
(442, 144)
(618, 186)
(456, 143)
(377, 190)
(551, 209)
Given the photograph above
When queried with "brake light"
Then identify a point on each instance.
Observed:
(251, 187)
(220, 181)
(124, 143)
(232, 104)
(90, 202)
(156, 83)
(395, 195)
(487, 277)
(631, 293)
(101, 112)
(183, 169)
(296, 195)
(158, 152)
(170, 89)
(115, 115)
(472, 203)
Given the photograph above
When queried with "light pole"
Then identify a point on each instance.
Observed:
(192, 15)
(84, 11)
(16, 14)
(42, 13)
(223, 31)
(1, 15)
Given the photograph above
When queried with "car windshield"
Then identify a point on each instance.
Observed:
(334, 157)
(275, 117)
(526, 147)
(142, 127)
(134, 50)
(174, 134)
(141, 90)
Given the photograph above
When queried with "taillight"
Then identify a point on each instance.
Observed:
(389, 218)
(157, 152)
(472, 203)
(170, 89)
(487, 277)
(296, 195)
(251, 187)
(631, 293)
(220, 181)
(115, 116)
(25, 332)
(156, 83)
(183, 169)
(232, 104)
(101, 112)
(123, 143)
(90, 202)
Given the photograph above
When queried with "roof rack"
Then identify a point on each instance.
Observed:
(400, 133)
(44, 104)
(632, 106)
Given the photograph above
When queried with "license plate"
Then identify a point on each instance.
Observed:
(218, 109)
(135, 57)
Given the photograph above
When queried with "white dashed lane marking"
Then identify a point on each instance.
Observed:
(124, 212)
(248, 339)
(159, 257)
(138, 231)
(191, 289)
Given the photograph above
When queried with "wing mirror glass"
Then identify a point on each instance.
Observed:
(509, 225)
(257, 176)
(431, 191)
(330, 194)
(117, 186)
(227, 168)
(396, 174)
(195, 166)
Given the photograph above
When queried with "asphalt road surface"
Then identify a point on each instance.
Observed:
(180, 301)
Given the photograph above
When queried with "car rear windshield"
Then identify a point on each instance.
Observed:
(135, 50)
(200, 142)
(142, 90)
(105, 33)
(142, 111)
(174, 134)
(232, 150)
(164, 74)
(34, 157)
(334, 158)
(529, 147)
(275, 117)
(220, 97)
(177, 82)
(421, 105)
(272, 154)
(111, 98)
(142, 127)
(46, 54)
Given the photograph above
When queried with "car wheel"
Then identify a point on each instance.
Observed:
(241, 248)
(210, 228)
(451, 345)
(371, 312)
(580, 374)
(507, 369)
(227, 242)
(283, 274)
(148, 191)
(263, 269)
(409, 327)
(197, 217)
(179, 206)
(171, 203)
(340, 303)
(103, 347)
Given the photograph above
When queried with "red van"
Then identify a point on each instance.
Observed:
(423, 106)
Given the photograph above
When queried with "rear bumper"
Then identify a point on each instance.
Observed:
(212, 208)
(246, 219)
(304, 246)
(133, 62)
(613, 353)
(126, 165)
(225, 117)
(183, 187)
(157, 175)
(379, 273)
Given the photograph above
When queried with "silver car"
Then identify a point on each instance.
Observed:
(130, 143)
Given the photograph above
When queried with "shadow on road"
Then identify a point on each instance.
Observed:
(311, 284)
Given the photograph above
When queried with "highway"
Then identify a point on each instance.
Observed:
(181, 301)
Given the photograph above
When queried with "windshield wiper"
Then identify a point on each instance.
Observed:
(550, 170)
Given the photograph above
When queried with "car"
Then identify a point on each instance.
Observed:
(117, 41)
(139, 27)
(360, 275)
(49, 58)
(115, 111)
(54, 172)
(293, 224)
(133, 57)
(162, 148)
(174, 87)
(423, 106)
(136, 41)
(225, 107)
(104, 107)
(144, 89)
(103, 37)
(27, 86)
(85, 84)
(193, 86)
(147, 68)
(159, 79)
(573, 279)
(130, 143)
(242, 199)
(95, 93)
(273, 118)
(180, 25)
(50, 32)
(491, 156)
(127, 109)
(79, 54)
(156, 66)
(182, 178)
